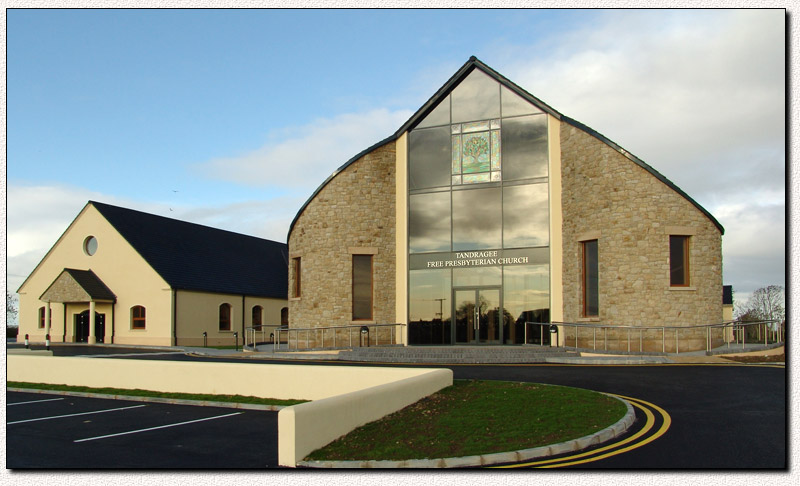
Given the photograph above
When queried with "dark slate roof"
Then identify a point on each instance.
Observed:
(194, 257)
(91, 283)
(727, 295)
(466, 69)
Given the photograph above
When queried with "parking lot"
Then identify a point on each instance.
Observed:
(64, 432)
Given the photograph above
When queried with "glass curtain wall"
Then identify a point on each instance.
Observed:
(479, 218)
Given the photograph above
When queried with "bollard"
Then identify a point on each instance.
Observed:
(47, 342)
(364, 332)
(205, 339)
(236, 341)
(27, 343)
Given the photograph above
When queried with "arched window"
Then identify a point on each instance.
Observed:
(258, 312)
(41, 317)
(225, 317)
(138, 320)
(285, 316)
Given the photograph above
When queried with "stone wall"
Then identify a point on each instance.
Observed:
(353, 213)
(632, 213)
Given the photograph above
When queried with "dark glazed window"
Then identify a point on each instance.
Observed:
(258, 312)
(526, 220)
(526, 298)
(90, 245)
(296, 277)
(591, 299)
(429, 222)
(284, 316)
(679, 261)
(429, 158)
(476, 98)
(362, 287)
(41, 317)
(225, 317)
(138, 318)
(524, 142)
(477, 221)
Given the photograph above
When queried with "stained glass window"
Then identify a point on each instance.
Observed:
(475, 153)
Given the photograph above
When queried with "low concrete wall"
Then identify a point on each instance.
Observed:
(346, 397)
(306, 427)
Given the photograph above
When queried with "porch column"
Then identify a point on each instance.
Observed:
(47, 314)
(92, 339)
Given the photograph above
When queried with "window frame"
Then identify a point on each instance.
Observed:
(585, 276)
(371, 287)
(227, 319)
(257, 311)
(296, 277)
(685, 263)
(135, 319)
(42, 314)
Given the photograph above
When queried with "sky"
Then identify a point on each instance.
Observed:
(232, 118)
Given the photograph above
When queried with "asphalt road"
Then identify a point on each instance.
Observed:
(722, 416)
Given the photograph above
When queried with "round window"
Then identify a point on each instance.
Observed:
(90, 245)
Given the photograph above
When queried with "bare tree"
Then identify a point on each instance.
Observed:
(768, 303)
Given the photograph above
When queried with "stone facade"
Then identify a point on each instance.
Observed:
(631, 213)
(354, 213)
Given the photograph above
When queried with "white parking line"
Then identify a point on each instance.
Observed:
(74, 415)
(35, 401)
(159, 427)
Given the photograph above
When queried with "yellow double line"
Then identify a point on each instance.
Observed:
(615, 448)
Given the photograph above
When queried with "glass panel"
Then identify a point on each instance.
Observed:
(429, 307)
(526, 220)
(476, 126)
(476, 98)
(429, 158)
(495, 124)
(465, 316)
(456, 158)
(525, 147)
(495, 150)
(475, 152)
(455, 129)
(477, 218)
(439, 116)
(477, 277)
(496, 176)
(678, 260)
(362, 287)
(473, 178)
(514, 104)
(429, 222)
(489, 316)
(591, 301)
(526, 298)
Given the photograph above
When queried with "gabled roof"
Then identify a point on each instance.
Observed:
(81, 283)
(190, 256)
(460, 75)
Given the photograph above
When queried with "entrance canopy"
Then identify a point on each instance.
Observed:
(78, 286)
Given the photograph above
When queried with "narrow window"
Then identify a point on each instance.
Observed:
(258, 311)
(362, 287)
(41, 317)
(591, 298)
(679, 261)
(284, 316)
(138, 320)
(225, 317)
(296, 277)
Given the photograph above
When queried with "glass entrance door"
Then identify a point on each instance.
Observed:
(477, 315)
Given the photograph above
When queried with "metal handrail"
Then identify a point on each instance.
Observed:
(320, 332)
(730, 332)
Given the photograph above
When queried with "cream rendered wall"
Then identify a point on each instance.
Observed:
(198, 312)
(118, 265)
(556, 224)
(401, 236)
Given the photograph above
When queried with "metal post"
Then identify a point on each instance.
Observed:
(663, 340)
(765, 334)
(629, 339)
(605, 338)
(307, 333)
(525, 332)
(708, 339)
(594, 338)
(350, 335)
(676, 341)
(576, 337)
(640, 341)
(744, 336)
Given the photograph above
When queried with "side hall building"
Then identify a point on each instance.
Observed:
(488, 209)
(119, 276)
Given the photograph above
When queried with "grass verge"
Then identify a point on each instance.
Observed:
(478, 417)
(149, 393)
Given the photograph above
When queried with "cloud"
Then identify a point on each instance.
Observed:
(303, 157)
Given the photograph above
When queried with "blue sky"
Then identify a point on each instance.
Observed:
(231, 118)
